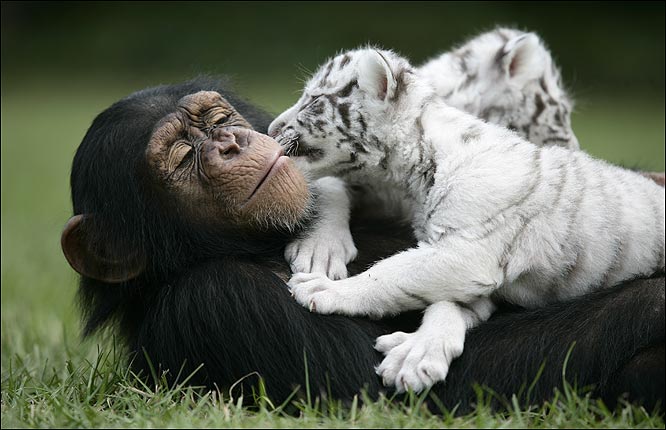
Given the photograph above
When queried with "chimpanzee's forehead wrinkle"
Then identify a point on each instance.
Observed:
(206, 109)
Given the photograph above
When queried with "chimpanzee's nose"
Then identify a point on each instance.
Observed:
(239, 135)
(226, 142)
(230, 140)
(216, 151)
(227, 149)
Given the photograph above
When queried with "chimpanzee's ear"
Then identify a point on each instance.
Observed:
(523, 58)
(92, 260)
(375, 75)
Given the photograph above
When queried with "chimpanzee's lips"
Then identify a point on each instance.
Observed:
(273, 166)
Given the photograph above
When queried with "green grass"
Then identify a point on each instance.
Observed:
(99, 391)
(51, 379)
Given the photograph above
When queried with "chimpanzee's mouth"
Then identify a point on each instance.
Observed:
(273, 166)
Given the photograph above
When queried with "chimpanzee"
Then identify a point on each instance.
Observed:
(182, 209)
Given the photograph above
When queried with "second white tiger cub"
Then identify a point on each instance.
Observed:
(493, 213)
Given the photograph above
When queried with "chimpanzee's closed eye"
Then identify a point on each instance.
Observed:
(180, 153)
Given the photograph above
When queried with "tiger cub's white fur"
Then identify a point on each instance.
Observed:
(504, 76)
(493, 213)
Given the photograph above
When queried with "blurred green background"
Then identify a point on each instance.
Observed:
(62, 63)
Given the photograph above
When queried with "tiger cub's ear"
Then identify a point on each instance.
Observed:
(375, 76)
(523, 58)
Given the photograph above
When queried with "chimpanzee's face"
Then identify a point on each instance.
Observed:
(208, 158)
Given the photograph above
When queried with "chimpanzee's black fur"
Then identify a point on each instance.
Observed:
(212, 297)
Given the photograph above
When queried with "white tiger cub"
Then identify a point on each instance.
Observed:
(507, 77)
(504, 76)
(493, 213)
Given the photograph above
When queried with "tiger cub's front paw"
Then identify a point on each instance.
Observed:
(327, 250)
(314, 291)
(415, 361)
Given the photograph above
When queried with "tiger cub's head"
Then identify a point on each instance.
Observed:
(506, 77)
(335, 127)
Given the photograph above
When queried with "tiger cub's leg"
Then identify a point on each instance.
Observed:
(418, 360)
(328, 246)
